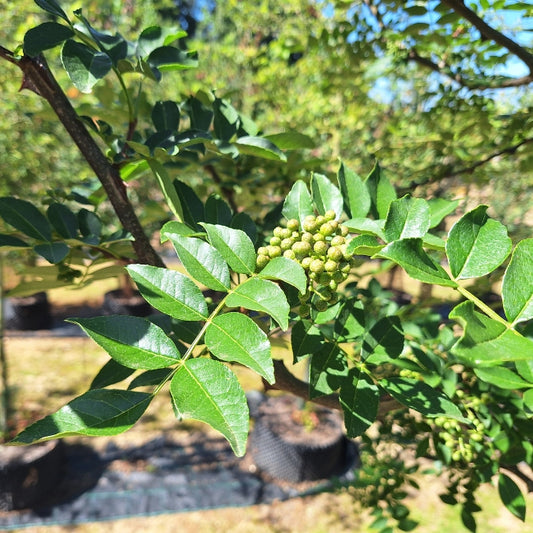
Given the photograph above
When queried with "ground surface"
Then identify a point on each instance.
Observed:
(155, 462)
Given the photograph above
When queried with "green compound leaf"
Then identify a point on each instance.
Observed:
(512, 497)
(260, 147)
(261, 295)
(53, 252)
(502, 377)
(419, 396)
(209, 391)
(476, 245)
(409, 254)
(203, 262)
(298, 203)
(170, 292)
(287, 270)
(131, 341)
(326, 196)
(84, 65)
(355, 193)
(98, 412)
(291, 140)
(45, 36)
(25, 217)
(234, 246)
(407, 218)
(487, 342)
(237, 338)
(517, 288)
(359, 399)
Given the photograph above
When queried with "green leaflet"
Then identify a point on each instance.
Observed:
(237, 338)
(327, 370)
(407, 218)
(25, 217)
(170, 292)
(98, 412)
(476, 245)
(325, 195)
(234, 246)
(409, 254)
(355, 193)
(298, 203)
(359, 399)
(167, 188)
(502, 377)
(45, 36)
(203, 262)
(84, 65)
(517, 287)
(263, 296)
(287, 270)
(421, 397)
(511, 496)
(131, 341)
(487, 342)
(260, 147)
(209, 391)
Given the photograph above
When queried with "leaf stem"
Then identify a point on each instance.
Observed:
(483, 306)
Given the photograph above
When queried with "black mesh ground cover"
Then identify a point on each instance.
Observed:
(159, 477)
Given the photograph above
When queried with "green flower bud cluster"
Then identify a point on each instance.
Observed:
(320, 247)
(460, 440)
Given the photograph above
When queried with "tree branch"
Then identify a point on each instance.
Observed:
(287, 382)
(492, 82)
(490, 33)
(450, 172)
(38, 78)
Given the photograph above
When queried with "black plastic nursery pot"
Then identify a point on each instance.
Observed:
(117, 302)
(28, 474)
(287, 449)
(28, 312)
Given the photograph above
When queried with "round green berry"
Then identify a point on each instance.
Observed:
(337, 240)
(320, 219)
(304, 310)
(329, 215)
(309, 224)
(317, 266)
(306, 262)
(343, 230)
(327, 229)
(289, 254)
(331, 266)
(262, 250)
(335, 253)
(301, 249)
(320, 247)
(307, 237)
(293, 224)
(318, 237)
(278, 230)
(262, 261)
(320, 305)
(275, 241)
(286, 244)
(274, 251)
